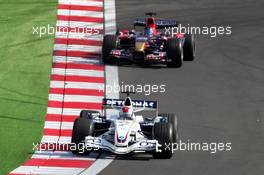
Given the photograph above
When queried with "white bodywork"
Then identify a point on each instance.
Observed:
(124, 135)
(122, 138)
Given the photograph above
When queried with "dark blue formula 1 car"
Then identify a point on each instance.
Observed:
(150, 45)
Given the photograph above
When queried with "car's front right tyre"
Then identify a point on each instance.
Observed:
(88, 114)
(109, 43)
(82, 127)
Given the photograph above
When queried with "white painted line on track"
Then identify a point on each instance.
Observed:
(111, 78)
(46, 170)
(56, 139)
(49, 139)
(78, 85)
(103, 161)
(75, 98)
(64, 140)
(61, 23)
(67, 125)
(67, 155)
(80, 35)
(51, 110)
(64, 59)
(66, 111)
(110, 17)
(83, 48)
(82, 2)
(58, 125)
(77, 72)
(111, 72)
(52, 125)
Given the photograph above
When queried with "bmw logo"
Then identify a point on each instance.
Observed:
(121, 138)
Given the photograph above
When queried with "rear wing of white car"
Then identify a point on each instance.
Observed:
(138, 105)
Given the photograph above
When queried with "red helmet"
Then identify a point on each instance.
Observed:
(127, 111)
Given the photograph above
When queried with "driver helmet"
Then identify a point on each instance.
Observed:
(127, 112)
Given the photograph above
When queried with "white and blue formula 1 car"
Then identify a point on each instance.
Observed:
(127, 132)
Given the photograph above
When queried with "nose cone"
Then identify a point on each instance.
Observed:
(122, 132)
(140, 46)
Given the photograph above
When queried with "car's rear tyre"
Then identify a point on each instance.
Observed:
(88, 114)
(173, 119)
(189, 48)
(174, 52)
(82, 127)
(109, 43)
(163, 133)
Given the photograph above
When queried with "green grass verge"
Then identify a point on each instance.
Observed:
(25, 61)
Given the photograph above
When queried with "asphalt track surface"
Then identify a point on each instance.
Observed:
(219, 97)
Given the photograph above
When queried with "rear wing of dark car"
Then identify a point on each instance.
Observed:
(160, 23)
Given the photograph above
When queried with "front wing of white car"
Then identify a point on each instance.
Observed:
(144, 145)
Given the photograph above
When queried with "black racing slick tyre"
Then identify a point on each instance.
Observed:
(88, 114)
(189, 48)
(100, 128)
(163, 133)
(174, 52)
(109, 43)
(173, 119)
(82, 127)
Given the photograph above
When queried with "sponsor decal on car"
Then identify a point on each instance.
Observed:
(135, 103)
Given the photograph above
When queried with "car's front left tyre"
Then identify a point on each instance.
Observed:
(189, 48)
(173, 119)
(174, 52)
(163, 133)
